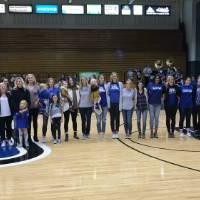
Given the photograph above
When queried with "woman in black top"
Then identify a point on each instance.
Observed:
(18, 94)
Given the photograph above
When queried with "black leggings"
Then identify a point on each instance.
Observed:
(114, 117)
(86, 120)
(170, 118)
(33, 117)
(185, 113)
(5, 126)
(55, 127)
(73, 116)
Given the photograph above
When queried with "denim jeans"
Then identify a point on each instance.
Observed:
(154, 112)
(101, 120)
(127, 117)
(141, 114)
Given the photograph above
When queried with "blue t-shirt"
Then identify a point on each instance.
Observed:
(102, 92)
(22, 120)
(171, 97)
(186, 95)
(114, 92)
(155, 92)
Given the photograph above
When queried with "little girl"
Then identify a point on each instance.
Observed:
(22, 122)
(56, 116)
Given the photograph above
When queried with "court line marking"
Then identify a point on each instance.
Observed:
(46, 149)
(160, 159)
(22, 152)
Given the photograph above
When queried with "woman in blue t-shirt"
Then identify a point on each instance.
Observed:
(101, 118)
(186, 105)
(171, 105)
(155, 95)
(197, 106)
(115, 103)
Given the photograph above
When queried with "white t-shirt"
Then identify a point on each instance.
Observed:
(5, 108)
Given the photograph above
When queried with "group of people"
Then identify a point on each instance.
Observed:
(21, 105)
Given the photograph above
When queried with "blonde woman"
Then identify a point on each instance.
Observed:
(18, 94)
(115, 103)
(85, 107)
(34, 89)
(128, 97)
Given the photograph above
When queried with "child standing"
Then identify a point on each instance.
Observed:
(22, 122)
(56, 115)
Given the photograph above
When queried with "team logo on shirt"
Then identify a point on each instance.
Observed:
(187, 90)
(156, 88)
(172, 91)
(114, 87)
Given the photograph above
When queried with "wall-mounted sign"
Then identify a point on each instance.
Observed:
(20, 9)
(73, 9)
(126, 9)
(137, 9)
(111, 9)
(2, 8)
(158, 10)
(46, 9)
(94, 9)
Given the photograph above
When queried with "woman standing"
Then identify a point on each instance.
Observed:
(73, 102)
(141, 102)
(186, 105)
(115, 103)
(155, 95)
(49, 92)
(85, 107)
(103, 92)
(34, 89)
(5, 115)
(128, 97)
(171, 105)
(197, 105)
(18, 94)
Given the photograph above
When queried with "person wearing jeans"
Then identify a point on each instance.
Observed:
(155, 94)
(197, 105)
(128, 97)
(171, 105)
(186, 105)
(141, 102)
(33, 88)
(115, 103)
(101, 118)
(5, 116)
(85, 107)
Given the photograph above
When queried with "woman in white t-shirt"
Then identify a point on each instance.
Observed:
(5, 116)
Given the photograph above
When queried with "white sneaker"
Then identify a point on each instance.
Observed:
(3, 144)
(189, 134)
(128, 136)
(116, 135)
(59, 141)
(44, 140)
(26, 144)
(11, 142)
(84, 137)
(113, 136)
(55, 141)
(181, 133)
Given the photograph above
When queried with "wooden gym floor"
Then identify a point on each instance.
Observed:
(101, 169)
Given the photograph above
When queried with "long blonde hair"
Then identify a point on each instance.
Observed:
(21, 79)
(34, 79)
(81, 82)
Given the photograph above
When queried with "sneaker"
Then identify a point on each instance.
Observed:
(3, 144)
(11, 142)
(55, 141)
(27, 144)
(139, 136)
(113, 136)
(116, 135)
(128, 136)
(59, 141)
(84, 137)
(44, 140)
(181, 133)
(143, 136)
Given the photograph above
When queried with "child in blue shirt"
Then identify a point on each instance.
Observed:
(22, 123)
